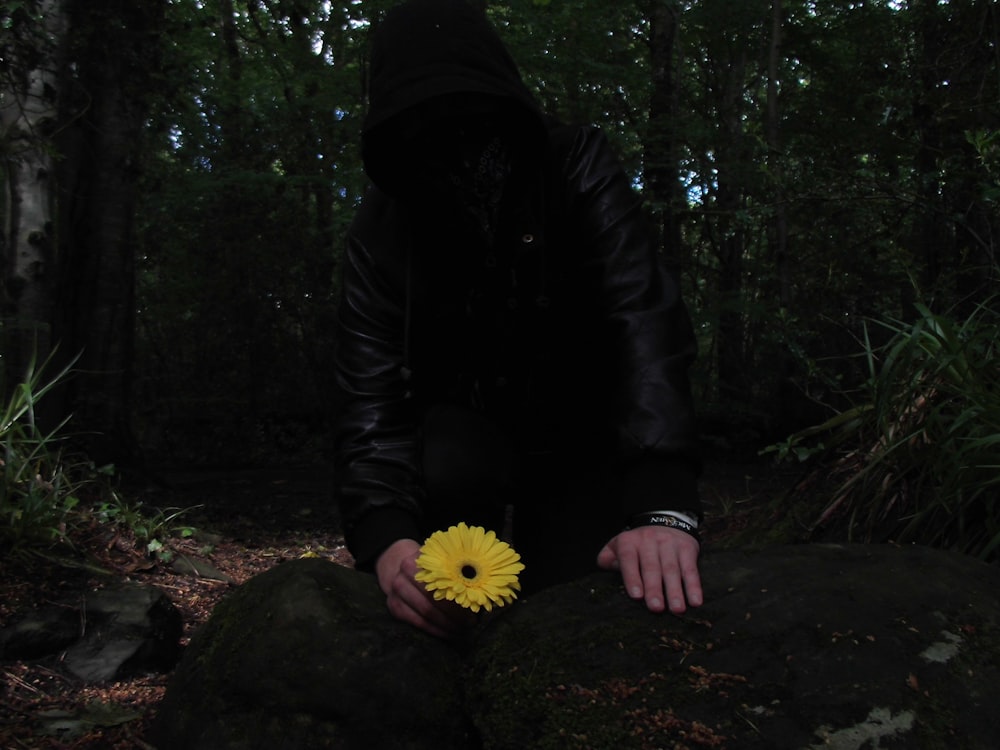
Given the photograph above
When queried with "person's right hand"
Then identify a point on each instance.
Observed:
(408, 600)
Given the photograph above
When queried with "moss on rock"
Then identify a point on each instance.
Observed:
(797, 646)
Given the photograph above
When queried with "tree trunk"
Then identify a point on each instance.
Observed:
(731, 246)
(71, 117)
(779, 222)
(103, 110)
(784, 392)
(663, 186)
(933, 239)
(28, 113)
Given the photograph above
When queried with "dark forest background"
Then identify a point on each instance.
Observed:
(180, 175)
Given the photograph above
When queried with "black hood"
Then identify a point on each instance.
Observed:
(433, 59)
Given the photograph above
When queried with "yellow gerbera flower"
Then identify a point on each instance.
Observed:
(470, 566)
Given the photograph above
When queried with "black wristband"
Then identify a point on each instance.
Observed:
(664, 519)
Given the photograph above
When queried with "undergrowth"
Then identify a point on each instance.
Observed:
(917, 458)
(50, 493)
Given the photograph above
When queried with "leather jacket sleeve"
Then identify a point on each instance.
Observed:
(377, 454)
(646, 329)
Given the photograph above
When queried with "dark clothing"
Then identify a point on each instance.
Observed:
(532, 296)
(472, 471)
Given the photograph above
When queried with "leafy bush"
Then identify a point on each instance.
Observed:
(47, 493)
(39, 487)
(918, 459)
(150, 527)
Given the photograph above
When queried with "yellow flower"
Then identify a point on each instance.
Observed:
(470, 566)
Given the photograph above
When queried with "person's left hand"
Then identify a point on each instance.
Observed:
(654, 559)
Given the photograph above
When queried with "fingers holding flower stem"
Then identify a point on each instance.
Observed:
(440, 586)
(409, 601)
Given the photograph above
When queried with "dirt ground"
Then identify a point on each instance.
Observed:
(247, 521)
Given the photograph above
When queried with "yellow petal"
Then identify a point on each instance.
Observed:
(445, 554)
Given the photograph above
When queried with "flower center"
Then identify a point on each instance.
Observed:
(469, 572)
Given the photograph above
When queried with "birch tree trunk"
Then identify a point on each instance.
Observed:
(72, 109)
(28, 114)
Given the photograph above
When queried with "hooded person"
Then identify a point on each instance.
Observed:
(510, 347)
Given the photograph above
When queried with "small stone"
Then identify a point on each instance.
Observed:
(106, 634)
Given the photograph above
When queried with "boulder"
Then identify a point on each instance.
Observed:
(305, 656)
(810, 646)
(115, 632)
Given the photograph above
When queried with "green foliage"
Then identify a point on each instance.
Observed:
(919, 458)
(152, 528)
(39, 486)
(251, 179)
(868, 138)
(49, 494)
(801, 447)
(987, 146)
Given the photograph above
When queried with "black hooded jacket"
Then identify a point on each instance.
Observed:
(558, 322)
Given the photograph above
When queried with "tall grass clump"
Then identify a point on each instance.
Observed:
(39, 486)
(50, 493)
(918, 458)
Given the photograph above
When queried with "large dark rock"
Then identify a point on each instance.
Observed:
(115, 632)
(304, 657)
(798, 647)
(813, 646)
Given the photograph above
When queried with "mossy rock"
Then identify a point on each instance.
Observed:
(304, 657)
(802, 646)
(797, 647)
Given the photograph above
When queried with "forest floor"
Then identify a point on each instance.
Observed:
(247, 522)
